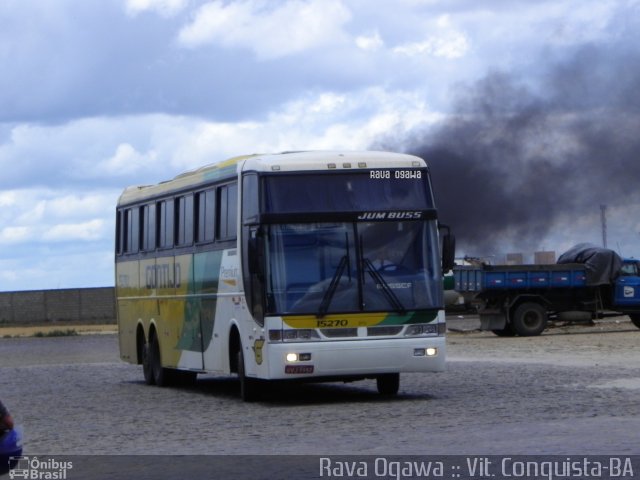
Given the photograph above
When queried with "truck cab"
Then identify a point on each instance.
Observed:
(627, 286)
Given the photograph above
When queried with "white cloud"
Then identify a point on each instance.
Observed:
(323, 121)
(164, 8)
(66, 232)
(452, 47)
(37, 216)
(269, 29)
(372, 42)
(127, 160)
(446, 42)
(8, 199)
(73, 205)
(11, 235)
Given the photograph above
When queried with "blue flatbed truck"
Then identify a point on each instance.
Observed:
(522, 299)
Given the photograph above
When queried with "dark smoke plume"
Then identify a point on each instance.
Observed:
(514, 160)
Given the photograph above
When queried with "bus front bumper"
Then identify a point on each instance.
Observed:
(355, 358)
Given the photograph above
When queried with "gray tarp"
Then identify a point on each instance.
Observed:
(602, 264)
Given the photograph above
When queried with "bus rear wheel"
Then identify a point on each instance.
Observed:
(388, 383)
(160, 374)
(147, 366)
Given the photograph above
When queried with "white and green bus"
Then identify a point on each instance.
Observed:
(314, 266)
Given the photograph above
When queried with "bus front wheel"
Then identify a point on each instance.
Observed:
(248, 386)
(388, 384)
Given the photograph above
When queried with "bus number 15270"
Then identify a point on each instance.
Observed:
(332, 323)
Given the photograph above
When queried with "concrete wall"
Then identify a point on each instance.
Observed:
(74, 305)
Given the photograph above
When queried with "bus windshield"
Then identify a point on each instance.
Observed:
(324, 268)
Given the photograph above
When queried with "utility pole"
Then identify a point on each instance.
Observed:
(603, 219)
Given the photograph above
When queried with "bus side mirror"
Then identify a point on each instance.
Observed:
(448, 249)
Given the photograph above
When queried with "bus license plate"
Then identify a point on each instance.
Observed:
(298, 369)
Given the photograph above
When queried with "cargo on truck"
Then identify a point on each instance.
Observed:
(587, 283)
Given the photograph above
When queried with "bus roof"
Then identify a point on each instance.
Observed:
(272, 162)
(323, 160)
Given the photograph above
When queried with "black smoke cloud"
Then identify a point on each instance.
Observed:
(516, 160)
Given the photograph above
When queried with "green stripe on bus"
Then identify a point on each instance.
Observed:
(411, 317)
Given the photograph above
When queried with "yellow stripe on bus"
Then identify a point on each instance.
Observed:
(351, 320)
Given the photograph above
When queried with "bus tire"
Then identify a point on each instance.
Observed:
(147, 367)
(248, 386)
(388, 383)
(160, 375)
(529, 319)
(635, 319)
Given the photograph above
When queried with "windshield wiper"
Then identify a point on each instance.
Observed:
(386, 289)
(328, 295)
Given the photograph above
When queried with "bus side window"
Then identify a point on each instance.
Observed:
(131, 230)
(164, 235)
(184, 220)
(148, 227)
(205, 216)
(118, 232)
(227, 211)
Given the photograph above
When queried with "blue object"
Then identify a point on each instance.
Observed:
(10, 446)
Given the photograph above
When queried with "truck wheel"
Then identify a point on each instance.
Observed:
(635, 319)
(529, 319)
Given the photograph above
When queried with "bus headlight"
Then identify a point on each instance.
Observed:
(425, 352)
(298, 357)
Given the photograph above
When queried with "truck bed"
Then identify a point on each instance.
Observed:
(496, 277)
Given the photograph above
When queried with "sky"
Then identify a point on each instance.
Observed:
(97, 95)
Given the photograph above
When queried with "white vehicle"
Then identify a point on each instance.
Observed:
(292, 266)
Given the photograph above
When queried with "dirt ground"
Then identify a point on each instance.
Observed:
(30, 331)
(610, 342)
